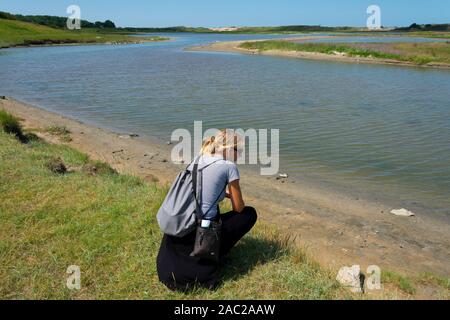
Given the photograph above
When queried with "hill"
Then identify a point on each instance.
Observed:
(18, 33)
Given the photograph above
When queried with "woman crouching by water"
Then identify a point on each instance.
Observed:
(177, 268)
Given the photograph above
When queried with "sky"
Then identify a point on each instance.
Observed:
(214, 13)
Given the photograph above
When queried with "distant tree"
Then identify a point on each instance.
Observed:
(109, 24)
(87, 24)
(6, 15)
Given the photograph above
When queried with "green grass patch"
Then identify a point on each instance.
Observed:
(428, 34)
(60, 131)
(430, 278)
(418, 53)
(10, 124)
(18, 33)
(401, 282)
(106, 224)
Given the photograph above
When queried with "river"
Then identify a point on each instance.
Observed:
(380, 130)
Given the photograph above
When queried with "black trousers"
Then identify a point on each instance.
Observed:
(178, 270)
(235, 226)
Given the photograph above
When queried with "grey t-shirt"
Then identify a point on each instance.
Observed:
(215, 177)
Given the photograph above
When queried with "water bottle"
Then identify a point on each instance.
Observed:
(206, 224)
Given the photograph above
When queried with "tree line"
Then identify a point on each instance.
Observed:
(56, 22)
(426, 27)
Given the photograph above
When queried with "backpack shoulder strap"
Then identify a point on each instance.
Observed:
(198, 209)
(195, 175)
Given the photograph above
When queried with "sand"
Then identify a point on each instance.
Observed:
(336, 229)
(233, 46)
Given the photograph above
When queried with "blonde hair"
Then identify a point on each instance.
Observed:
(223, 140)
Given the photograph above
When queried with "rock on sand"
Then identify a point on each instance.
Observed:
(403, 213)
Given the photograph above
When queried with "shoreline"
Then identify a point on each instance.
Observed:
(335, 229)
(233, 47)
(72, 44)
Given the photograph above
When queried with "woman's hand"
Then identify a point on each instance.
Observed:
(236, 196)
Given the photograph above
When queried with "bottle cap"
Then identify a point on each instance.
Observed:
(206, 223)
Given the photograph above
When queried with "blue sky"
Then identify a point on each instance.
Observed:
(212, 13)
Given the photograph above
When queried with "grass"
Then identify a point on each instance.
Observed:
(401, 282)
(60, 131)
(430, 278)
(105, 223)
(428, 34)
(18, 33)
(418, 53)
(10, 124)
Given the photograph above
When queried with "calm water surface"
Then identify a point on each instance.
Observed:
(382, 129)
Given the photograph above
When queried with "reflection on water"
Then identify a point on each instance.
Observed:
(380, 128)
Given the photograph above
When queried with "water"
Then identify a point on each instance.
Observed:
(381, 129)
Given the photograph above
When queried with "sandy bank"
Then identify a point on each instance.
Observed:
(233, 46)
(336, 229)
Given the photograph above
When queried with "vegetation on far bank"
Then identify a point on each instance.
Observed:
(438, 27)
(19, 33)
(418, 53)
(427, 30)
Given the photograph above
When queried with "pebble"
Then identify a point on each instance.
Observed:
(128, 136)
(403, 213)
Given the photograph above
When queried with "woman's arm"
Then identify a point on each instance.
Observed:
(236, 196)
